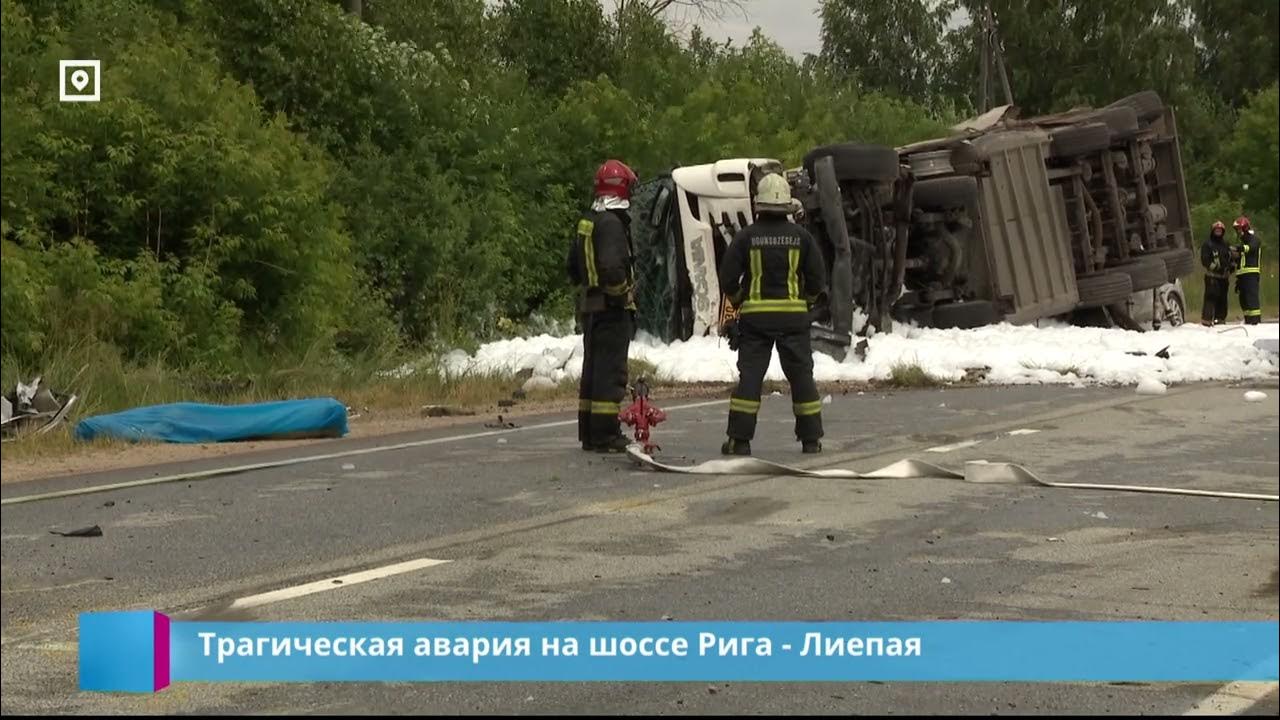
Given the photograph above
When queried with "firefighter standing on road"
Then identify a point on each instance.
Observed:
(600, 264)
(772, 272)
(1248, 273)
(1215, 256)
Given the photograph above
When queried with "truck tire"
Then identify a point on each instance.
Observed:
(1144, 272)
(1180, 262)
(1147, 104)
(1122, 121)
(1103, 289)
(965, 315)
(947, 192)
(1076, 140)
(856, 162)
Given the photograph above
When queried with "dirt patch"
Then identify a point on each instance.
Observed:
(71, 458)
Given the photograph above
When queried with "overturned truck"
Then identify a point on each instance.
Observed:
(1006, 220)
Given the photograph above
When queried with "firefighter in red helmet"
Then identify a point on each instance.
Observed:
(1248, 271)
(600, 265)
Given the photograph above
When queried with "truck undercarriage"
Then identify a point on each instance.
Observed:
(1007, 219)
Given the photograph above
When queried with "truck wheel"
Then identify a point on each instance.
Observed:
(947, 192)
(1076, 140)
(1180, 262)
(1103, 289)
(1147, 104)
(1122, 121)
(1144, 273)
(856, 162)
(965, 315)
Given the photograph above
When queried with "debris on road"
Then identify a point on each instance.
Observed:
(91, 531)
(1151, 386)
(445, 411)
(33, 407)
(348, 466)
(946, 581)
(1053, 539)
(501, 424)
(1255, 396)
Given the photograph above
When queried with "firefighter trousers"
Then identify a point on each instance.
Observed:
(1248, 288)
(755, 350)
(1216, 297)
(605, 340)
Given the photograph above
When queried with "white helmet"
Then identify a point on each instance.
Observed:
(773, 194)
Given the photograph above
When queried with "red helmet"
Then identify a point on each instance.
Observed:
(1241, 224)
(615, 179)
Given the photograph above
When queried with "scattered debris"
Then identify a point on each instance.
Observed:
(1054, 539)
(109, 503)
(33, 407)
(860, 350)
(1138, 353)
(831, 538)
(946, 581)
(1164, 353)
(348, 466)
(976, 374)
(444, 411)
(501, 424)
(1151, 386)
(91, 531)
(502, 441)
(1255, 396)
(712, 689)
(668, 618)
(1100, 515)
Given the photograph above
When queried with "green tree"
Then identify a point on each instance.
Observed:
(556, 42)
(895, 46)
(1238, 45)
(1249, 156)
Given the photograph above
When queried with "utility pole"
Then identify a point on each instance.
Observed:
(992, 52)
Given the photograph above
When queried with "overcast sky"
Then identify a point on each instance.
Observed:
(793, 24)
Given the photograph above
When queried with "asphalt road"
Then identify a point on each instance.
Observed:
(537, 530)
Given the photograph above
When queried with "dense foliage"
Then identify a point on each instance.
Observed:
(279, 177)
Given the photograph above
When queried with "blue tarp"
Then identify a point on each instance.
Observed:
(200, 423)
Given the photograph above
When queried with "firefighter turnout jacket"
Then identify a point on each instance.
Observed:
(1250, 254)
(600, 262)
(773, 271)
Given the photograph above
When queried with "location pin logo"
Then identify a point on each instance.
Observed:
(80, 80)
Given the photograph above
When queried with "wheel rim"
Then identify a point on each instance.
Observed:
(1175, 315)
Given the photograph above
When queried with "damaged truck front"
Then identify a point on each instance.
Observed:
(1005, 220)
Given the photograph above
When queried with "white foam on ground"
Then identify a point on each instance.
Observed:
(1016, 355)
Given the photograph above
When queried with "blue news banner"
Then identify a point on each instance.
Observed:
(955, 651)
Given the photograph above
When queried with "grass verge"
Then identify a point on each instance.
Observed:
(911, 375)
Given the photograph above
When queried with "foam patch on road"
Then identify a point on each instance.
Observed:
(998, 354)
